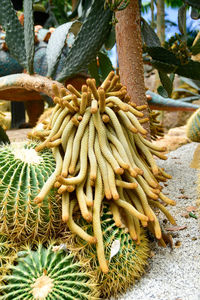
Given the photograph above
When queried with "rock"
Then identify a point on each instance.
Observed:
(175, 138)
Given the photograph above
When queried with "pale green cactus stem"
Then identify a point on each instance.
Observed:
(48, 274)
(193, 127)
(23, 173)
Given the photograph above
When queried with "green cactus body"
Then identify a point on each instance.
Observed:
(124, 267)
(193, 127)
(48, 274)
(22, 174)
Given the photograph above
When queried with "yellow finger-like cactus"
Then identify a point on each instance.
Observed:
(108, 158)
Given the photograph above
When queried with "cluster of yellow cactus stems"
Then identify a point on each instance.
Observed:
(102, 154)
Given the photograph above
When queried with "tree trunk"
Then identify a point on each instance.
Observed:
(161, 20)
(129, 48)
(152, 15)
(74, 3)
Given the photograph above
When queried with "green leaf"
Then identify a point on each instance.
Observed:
(123, 5)
(149, 36)
(57, 43)
(172, 77)
(186, 91)
(94, 72)
(190, 99)
(4, 139)
(111, 39)
(162, 91)
(14, 32)
(190, 70)
(29, 34)
(193, 3)
(105, 65)
(193, 83)
(196, 47)
(166, 82)
(193, 215)
(195, 14)
(163, 55)
(181, 18)
(83, 9)
(164, 67)
(89, 40)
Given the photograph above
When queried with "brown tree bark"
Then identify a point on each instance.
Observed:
(129, 48)
(152, 15)
(74, 3)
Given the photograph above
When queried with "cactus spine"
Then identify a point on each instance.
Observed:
(127, 265)
(48, 273)
(8, 252)
(23, 172)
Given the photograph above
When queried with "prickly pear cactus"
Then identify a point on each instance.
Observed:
(8, 65)
(126, 258)
(48, 273)
(22, 174)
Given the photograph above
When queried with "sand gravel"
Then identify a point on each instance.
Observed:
(174, 274)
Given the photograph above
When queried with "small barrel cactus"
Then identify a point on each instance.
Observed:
(126, 257)
(46, 274)
(22, 174)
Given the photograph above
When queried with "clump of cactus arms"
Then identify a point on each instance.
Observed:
(104, 156)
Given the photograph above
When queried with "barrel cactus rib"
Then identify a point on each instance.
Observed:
(41, 280)
(21, 180)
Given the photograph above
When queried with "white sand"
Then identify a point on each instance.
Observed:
(174, 274)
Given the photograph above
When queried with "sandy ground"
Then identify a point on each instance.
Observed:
(174, 274)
